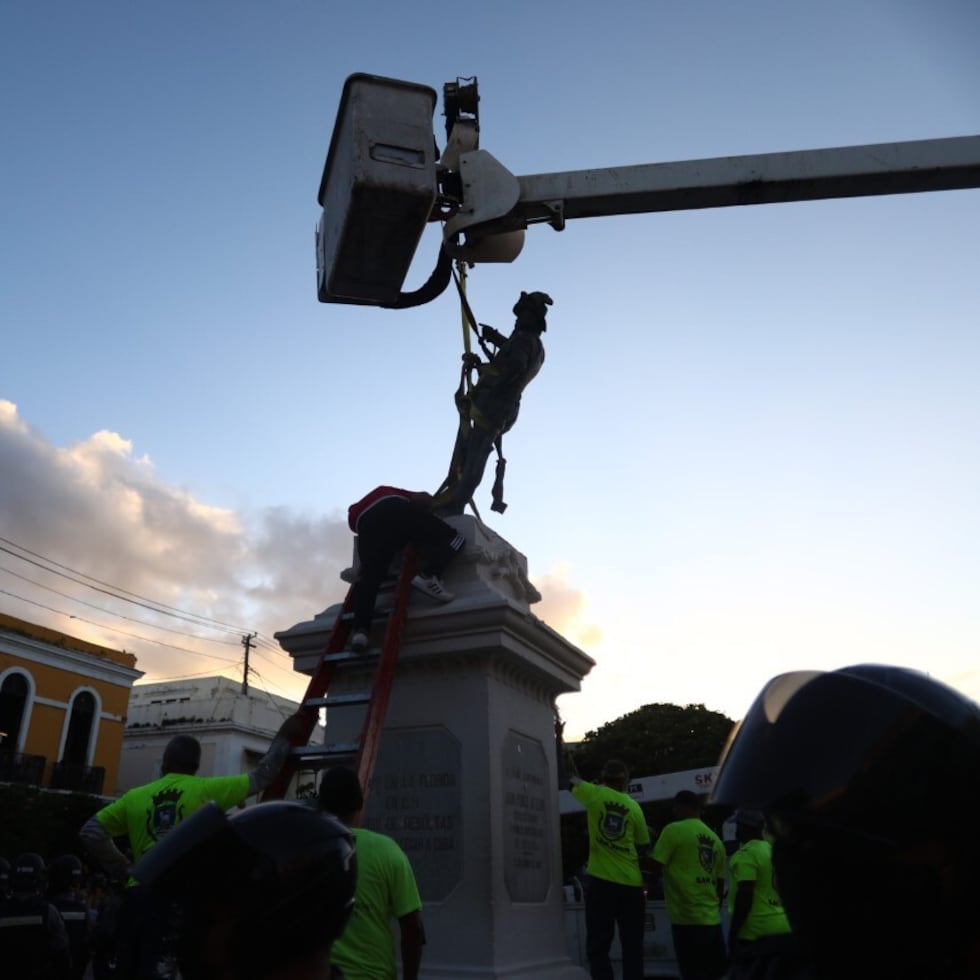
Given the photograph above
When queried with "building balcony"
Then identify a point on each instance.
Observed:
(78, 779)
(19, 767)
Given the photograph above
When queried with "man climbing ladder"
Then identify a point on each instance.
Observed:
(385, 521)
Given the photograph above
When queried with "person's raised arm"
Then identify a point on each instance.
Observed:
(566, 770)
(293, 731)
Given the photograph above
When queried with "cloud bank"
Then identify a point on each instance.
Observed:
(100, 511)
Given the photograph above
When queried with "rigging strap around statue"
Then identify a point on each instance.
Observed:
(468, 414)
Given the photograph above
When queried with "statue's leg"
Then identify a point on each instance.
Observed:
(477, 450)
(455, 463)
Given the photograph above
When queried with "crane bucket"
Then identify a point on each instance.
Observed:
(377, 191)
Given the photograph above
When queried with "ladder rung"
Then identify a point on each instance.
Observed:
(380, 660)
(381, 611)
(342, 656)
(323, 751)
(337, 700)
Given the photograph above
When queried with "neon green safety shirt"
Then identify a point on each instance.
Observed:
(753, 862)
(616, 827)
(145, 813)
(386, 890)
(693, 859)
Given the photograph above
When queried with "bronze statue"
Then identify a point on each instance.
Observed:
(491, 407)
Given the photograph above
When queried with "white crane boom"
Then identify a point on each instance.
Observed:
(768, 178)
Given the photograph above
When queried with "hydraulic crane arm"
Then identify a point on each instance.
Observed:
(492, 204)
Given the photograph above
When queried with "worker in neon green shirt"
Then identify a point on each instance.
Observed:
(386, 890)
(692, 858)
(614, 896)
(145, 814)
(759, 938)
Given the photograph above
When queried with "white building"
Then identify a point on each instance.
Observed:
(234, 729)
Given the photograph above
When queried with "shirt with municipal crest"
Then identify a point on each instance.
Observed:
(616, 827)
(693, 860)
(147, 813)
(767, 917)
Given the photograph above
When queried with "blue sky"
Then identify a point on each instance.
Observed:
(753, 444)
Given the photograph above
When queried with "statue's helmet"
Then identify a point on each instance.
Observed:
(869, 778)
(531, 310)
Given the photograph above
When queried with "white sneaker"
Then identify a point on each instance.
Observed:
(432, 587)
(359, 642)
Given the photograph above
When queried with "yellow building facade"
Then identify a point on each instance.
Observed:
(63, 704)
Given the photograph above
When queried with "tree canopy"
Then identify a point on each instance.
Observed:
(655, 739)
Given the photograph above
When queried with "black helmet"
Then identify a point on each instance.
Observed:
(277, 872)
(531, 310)
(64, 873)
(182, 754)
(27, 873)
(869, 777)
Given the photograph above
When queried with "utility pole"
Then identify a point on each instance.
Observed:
(247, 643)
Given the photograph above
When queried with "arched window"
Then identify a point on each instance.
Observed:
(14, 693)
(79, 734)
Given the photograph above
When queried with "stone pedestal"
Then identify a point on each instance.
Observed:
(465, 779)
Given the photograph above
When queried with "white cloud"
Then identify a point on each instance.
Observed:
(565, 608)
(97, 509)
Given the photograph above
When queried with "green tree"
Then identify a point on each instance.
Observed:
(655, 739)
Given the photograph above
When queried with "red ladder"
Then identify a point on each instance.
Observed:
(334, 661)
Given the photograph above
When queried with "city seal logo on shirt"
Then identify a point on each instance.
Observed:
(612, 824)
(706, 852)
(165, 813)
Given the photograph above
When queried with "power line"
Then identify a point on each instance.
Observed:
(181, 677)
(115, 591)
(90, 605)
(268, 692)
(279, 666)
(260, 641)
(112, 629)
(155, 604)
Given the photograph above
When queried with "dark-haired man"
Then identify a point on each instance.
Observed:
(760, 943)
(618, 835)
(692, 858)
(145, 814)
(386, 890)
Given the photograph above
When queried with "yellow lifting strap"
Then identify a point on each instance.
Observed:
(469, 414)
